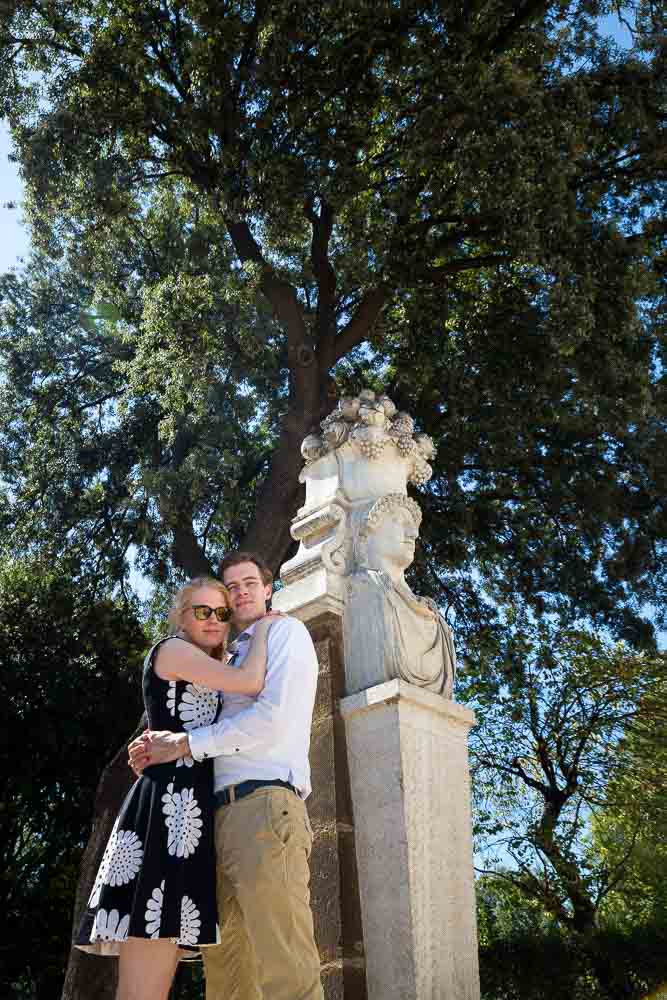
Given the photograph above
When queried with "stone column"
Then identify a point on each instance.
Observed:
(314, 598)
(391, 800)
(408, 760)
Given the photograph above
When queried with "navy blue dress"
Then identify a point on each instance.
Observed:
(157, 876)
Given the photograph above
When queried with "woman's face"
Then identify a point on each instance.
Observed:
(209, 633)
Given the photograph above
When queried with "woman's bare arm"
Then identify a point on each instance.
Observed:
(185, 662)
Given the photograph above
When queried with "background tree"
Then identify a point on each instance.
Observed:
(633, 823)
(71, 678)
(550, 764)
(524, 953)
(241, 210)
(459, 199)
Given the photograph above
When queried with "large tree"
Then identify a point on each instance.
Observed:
(459, 200)
(268, 204)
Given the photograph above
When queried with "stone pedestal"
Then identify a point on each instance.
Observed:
(391, 800)
(408, 762)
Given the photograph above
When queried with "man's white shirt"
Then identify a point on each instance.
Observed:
(269, 736)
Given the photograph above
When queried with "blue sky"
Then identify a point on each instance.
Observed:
(14, 240)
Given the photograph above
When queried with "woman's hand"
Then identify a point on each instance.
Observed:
(156, 748)
(267, 620)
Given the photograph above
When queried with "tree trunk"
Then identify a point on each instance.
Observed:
(278, 499)
(90, 977)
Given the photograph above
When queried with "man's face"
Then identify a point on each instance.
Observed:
(247, 592)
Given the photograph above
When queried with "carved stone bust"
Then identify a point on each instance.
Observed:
(389, 631)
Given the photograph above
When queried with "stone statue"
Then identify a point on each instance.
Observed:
(390, 632)
(357, 530)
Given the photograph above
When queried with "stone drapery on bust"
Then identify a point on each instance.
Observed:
(389, 631)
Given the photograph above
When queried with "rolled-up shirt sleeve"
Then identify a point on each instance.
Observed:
(289, 655)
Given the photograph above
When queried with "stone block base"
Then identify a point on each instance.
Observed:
(408, 763)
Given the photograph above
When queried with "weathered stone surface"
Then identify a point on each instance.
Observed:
(333, 981)
(325, 893)
(334, 881)
(413, 842)
(354, 978)
(352, 941)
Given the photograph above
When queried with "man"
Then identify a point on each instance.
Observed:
(262, 776)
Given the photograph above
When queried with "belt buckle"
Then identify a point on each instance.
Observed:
(225, 795)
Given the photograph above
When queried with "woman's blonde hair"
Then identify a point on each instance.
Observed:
(183, 597)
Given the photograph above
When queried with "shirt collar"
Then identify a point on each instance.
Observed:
(242, 637)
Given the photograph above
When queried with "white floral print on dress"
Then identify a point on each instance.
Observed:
(186, 761)
(182, 817)
(153, 915)
(121, 862)
(128, 853)
(103, 870)
(171, 698)
(190, 922)
(109, 926)
(198, 706)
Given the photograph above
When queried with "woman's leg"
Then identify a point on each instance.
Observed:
(146, 969)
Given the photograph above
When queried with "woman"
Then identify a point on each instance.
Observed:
(153, 901)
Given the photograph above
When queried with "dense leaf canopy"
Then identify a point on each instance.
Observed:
(459, 202)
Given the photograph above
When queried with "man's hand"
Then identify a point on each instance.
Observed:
(157, 748)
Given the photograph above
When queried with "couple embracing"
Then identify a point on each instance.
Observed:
(209, 854)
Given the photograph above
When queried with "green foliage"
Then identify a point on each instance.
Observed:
(631, 829)
(71, 680)
(525, 955)
(557, 707)
(257, 206)
(89, 444)
(565, 759)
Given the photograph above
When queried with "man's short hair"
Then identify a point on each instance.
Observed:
(234, 558)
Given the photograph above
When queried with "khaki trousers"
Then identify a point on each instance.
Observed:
(267, 949)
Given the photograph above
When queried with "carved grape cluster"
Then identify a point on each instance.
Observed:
(404, 443)
(421, 473)
(370, 422)
(371, 449)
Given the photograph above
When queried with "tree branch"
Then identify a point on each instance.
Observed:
(359, 327)
(322, 224)
(281, 294)
(186, 550)
(523, 13)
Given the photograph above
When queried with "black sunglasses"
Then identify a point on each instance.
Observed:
(202, 612)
